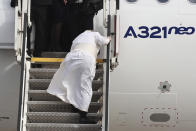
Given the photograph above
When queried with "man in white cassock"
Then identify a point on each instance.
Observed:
(72, 83)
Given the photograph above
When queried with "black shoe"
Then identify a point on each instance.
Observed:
(86, 120)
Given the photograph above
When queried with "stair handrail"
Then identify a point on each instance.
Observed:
(107, 77)
(22, 74)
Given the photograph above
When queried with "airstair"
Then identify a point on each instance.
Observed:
(45, 112)
(40, 111)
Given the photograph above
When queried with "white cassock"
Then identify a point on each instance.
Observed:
(72, 82)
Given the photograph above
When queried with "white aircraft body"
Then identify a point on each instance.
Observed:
(153, 88)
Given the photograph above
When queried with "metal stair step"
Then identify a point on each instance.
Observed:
(59, 117)
(58, 106)
(62, 127)
(42, 84)
(44, 73)
(55, 65)
(54, 54)
(42, 95)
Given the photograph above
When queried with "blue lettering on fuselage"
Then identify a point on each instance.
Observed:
(158, 32)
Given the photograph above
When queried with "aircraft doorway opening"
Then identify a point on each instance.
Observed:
(57, 22)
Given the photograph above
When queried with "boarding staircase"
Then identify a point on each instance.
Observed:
(45, 112)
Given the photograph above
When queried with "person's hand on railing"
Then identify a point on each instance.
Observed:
(110, 38)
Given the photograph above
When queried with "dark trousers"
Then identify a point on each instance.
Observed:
(76, 22)
(49, 21)
(57, 12)
(39, 16)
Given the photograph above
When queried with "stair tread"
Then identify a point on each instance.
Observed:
(62, 127)
(49, 80)
(54, 54)
(47, 73)
(57, 102)
(42, 84)
(59, 114)
(59, 117)
(58, 106)
(55, 65)
(52, 70)
(43, 95)
(45, 92)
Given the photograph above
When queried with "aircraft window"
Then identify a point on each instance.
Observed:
(163, 1)
(131, 0)
(192, 1)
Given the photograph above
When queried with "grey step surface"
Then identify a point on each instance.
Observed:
(58, 106)
(55, 65)
(59, 117)
(54, 54)
(42, 95)
(42, 84)
(44, 73)
(62, 127)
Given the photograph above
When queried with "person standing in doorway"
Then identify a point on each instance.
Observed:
(80, 15)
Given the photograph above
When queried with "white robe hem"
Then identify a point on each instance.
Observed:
(62, 97)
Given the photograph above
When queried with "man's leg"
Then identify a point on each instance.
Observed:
(71, 24)
(57, 12)
(40, 19)
(55, 42)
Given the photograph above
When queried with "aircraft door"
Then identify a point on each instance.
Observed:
(21, 7)
(111, 21)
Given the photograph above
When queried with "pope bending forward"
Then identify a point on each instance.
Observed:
(72, 83)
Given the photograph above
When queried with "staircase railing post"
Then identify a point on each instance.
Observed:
(107, 76)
